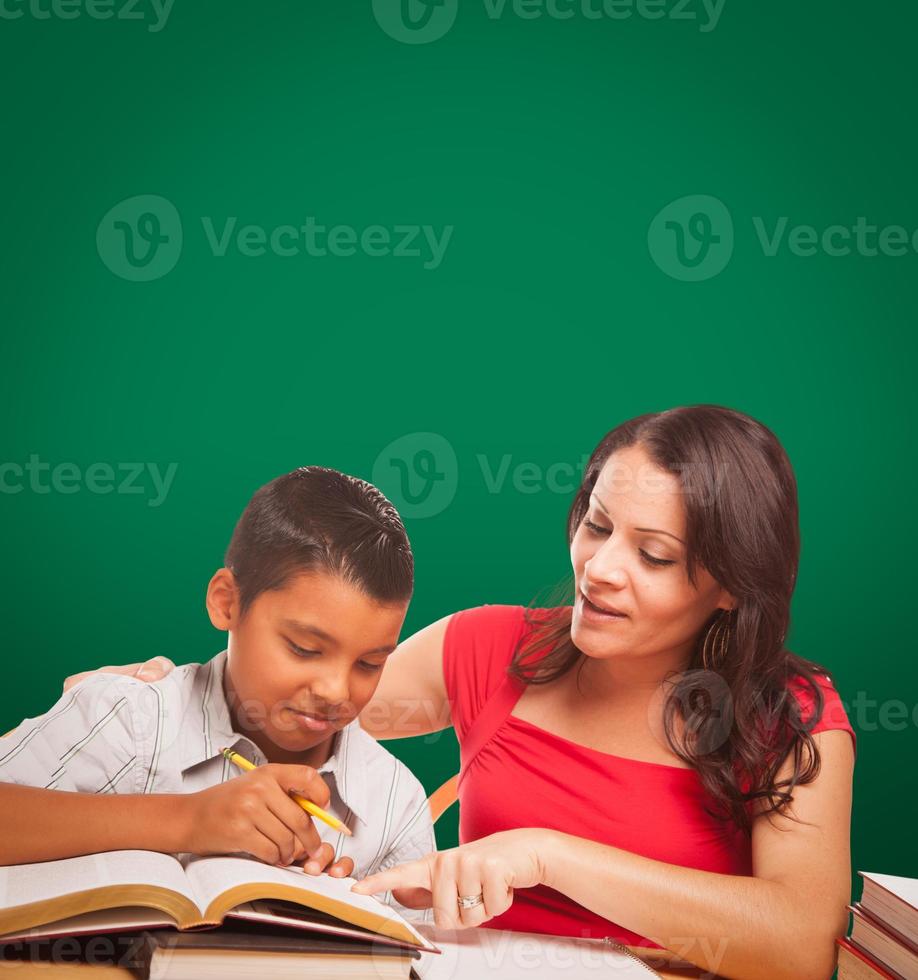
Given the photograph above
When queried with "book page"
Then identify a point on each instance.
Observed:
(524, 956)
(94, 923)
(905, 889)
(211, 877)
(23, 884)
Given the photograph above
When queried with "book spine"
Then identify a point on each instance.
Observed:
(859, 909)
(852, 967)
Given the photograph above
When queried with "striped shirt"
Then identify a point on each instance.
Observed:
(117, 734)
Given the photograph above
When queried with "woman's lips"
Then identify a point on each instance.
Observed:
(593, 614)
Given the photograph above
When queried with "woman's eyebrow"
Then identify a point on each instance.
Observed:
(647, 530)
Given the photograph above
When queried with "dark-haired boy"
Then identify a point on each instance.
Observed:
(313, 595)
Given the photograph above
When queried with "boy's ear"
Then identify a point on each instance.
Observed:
(223, 600)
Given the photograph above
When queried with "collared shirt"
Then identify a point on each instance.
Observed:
(117, 734)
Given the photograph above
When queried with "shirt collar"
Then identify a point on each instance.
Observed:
(348, 765)
(208, 714)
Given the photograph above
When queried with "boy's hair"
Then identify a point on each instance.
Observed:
(319, 519)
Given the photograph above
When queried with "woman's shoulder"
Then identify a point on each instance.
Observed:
(478, 646)
(820, 704)
(490, 630)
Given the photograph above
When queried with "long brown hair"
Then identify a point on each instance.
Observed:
(740, 496)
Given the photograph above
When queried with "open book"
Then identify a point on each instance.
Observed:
(131, 890)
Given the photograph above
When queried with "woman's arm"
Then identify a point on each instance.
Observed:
(782, 922)
(411, 696)
(410, 699)
(779, 924)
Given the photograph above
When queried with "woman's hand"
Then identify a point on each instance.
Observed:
(151, 670)
(491, 867)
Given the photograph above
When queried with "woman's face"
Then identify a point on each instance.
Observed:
(628, 557)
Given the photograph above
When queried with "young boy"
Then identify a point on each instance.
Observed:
(313, 595)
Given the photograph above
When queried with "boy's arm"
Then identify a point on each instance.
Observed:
(91, 741)
(68, 779)
(250, 814)
(80, 779)
(47, 824)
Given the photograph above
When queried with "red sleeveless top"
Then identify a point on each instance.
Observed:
(514, 774)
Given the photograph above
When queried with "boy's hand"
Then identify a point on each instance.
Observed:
(325, 861)
(253, 813)
(154, 669)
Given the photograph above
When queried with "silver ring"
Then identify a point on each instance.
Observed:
(471, 901)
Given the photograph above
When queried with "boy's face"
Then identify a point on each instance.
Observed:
(303, 661)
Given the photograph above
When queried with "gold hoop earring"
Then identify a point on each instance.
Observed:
(718, 635)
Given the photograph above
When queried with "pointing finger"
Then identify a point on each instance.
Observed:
(414, 874)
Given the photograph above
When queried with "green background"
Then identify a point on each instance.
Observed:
(549, 146)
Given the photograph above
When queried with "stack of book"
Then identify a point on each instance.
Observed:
(141, 913)
(884, 931)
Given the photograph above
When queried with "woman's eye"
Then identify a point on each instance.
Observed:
(598, 530)
(656, 561)
(301, 652)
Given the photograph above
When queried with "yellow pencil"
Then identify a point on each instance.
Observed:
(307, 805)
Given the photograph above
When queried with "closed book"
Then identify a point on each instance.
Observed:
(882, 945)
(893, 901)
(855, 964)
(247, 950)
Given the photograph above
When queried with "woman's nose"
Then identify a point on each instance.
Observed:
(606, 565)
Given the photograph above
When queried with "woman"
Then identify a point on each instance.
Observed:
(649, 763)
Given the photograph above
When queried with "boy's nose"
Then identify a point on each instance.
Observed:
(331, 689)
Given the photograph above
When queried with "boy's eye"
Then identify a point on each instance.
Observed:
(370, 668)
(300, 651)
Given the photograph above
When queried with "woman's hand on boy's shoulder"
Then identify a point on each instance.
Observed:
(154, 669)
